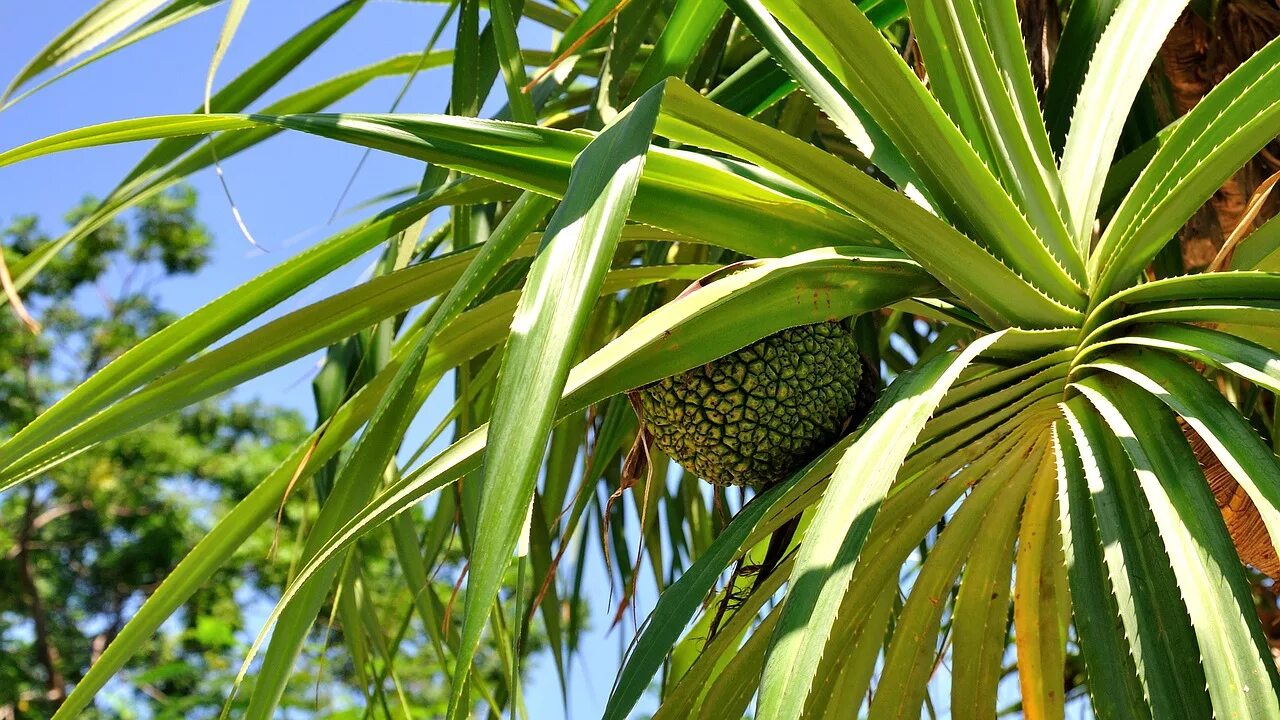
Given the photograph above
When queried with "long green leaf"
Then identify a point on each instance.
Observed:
(1117, 70)
(147, 180)
(1211, 142)
(475, 332)
(714, 653)
(1040, 600)
(256, 80)
(235, 13)
(122, 131)
(963, 189)
(1155, 623)
(1258, 321)
(1227, 434)
(992, 100)
(818, 82)
(376, 449)
(980, 618)
(167, 348)
(1240, 284)
(683, 36)
(993, 506)
(755, 86)
(287, 339)
(908, 516)
(849, 688)
(952, 430)
(729, 697)
(1238, 287)
(714, 200)
(679, 602)
(834, 540)
(565, 279)
(1248, 360)
(1086, 20)
(1238, 666)
(956, 418)
(966, 268)
(93, 29)
(1005, 34)
(1113, 686)
(504, 19)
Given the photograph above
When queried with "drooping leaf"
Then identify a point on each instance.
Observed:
(1153, 617)
(95, 27)
(1240, 671)
(554, 306)
(834, 541)
(98, 26)
(148, 178)
(1228, 435)
(376, 449)
(476, 331)
(910, 658)
(1114, 686)
(712, 200)
(1040, 597)
(180, 340)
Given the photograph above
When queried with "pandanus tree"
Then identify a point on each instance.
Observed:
(987, 206)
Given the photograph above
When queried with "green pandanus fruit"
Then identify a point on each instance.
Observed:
(756, 415)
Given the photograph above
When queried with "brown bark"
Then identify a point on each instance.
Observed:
(1041, 29)
(1244, 523)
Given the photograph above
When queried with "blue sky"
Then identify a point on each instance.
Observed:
(285, 189)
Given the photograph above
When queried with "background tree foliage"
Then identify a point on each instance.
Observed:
(86, 542)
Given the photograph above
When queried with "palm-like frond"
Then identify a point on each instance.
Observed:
(1023, 479)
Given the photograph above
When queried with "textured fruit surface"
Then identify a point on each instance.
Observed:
(756, 415)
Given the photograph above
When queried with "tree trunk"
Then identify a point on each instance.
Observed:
(48, 654)
(1244, 523)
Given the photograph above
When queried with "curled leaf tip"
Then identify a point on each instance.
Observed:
(15, 300)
